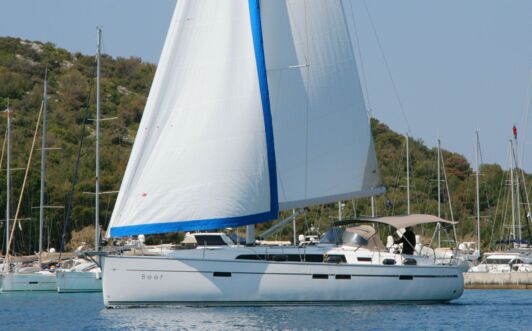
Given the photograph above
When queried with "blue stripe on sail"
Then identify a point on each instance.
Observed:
(210, 224)
(256, 30)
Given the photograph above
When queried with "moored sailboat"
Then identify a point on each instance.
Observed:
(256, 107)
(87, 276)
(28, 278)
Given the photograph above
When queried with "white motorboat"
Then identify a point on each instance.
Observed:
(234, 77)
(502, 262)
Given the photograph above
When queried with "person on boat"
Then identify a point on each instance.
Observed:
(408, 240)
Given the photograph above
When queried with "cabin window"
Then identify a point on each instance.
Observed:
(209, 240)
(221, 274)
(405, 277)
(336, 258)
(320, 276)
(313, 258)
(343, 276)
(278, 257)
(250, 257)
(364, 259)
(498, 261)
(318, 258)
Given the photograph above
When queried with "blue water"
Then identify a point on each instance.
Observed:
(476, 309)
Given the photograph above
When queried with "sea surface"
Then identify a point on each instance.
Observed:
(475, 310)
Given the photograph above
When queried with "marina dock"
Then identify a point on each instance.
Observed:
(496, 281)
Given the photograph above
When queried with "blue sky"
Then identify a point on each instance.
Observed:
(457, 65)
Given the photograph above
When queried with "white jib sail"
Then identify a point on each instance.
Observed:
(323, 143)
(200, 158)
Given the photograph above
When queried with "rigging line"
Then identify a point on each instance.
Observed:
(395, 192)
(505, 205)
(521, 172)
(527, 112)
(413, 188)
(448, 193)
(359, 49)
(70, 196)
(3, 151)
(525, 193)
(480, 165)
(108, 207)
(307, 99)
(429, 187)
(2, 161)
(23, 186)
(388, 70)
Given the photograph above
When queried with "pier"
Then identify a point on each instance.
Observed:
(502, 280)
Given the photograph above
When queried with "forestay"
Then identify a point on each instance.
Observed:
(204, 156)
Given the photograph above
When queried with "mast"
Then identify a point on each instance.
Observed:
(407, 176)
(250, 234)
(517, 166)
(517, 188)
(97, 184)
(294, 226)
(43, 166)
(477, 188)
(439, 191)
(512, 189)
(8, 176)
(339, 210)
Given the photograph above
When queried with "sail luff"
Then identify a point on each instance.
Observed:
(256, 30)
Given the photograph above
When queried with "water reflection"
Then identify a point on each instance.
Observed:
(475, 310)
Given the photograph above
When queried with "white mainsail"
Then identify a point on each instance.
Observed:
(204, 156)
(323, 143)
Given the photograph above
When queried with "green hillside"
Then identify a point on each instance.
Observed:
(125, 86)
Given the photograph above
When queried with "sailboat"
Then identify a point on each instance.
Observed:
(29, 278)
(255, 108)
(511, 268)
(87, 276)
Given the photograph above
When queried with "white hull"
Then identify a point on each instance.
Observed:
(78, 281)
(17, 282)
(130, 281)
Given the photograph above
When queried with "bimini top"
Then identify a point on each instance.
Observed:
(401, 221)
(410, 220)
